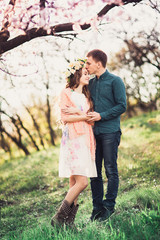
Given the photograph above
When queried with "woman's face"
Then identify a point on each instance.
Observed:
(84, 80)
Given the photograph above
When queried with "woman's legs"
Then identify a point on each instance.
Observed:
(77, 185)
(67, 211)
(72, 182)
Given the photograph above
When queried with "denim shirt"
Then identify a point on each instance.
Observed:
(109, 99)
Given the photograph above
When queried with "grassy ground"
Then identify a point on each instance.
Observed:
(30, 192)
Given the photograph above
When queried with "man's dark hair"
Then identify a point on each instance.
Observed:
(98, 56)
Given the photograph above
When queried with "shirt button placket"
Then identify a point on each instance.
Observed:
(97, 89)
(97, 99)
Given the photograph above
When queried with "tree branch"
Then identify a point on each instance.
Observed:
(40, 32)
(42, 4)
(154, 5)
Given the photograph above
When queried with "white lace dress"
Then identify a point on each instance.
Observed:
(75, 156)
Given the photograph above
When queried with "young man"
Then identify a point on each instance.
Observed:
(109, 99)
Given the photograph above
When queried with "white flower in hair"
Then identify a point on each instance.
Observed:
(72, 70)
(67, 73)
(73, 67)
(77, 65)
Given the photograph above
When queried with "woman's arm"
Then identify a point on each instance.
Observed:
(72, 110)
(69, 113)
(75, 118)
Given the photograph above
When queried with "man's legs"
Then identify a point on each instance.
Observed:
(110, 142)
(97, 182)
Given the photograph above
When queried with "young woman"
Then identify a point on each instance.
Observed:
(77, 152)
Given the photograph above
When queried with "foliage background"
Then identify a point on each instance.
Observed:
(31, 191)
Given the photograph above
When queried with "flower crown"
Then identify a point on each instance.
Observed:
(73, 67)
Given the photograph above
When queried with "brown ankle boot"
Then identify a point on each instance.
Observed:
(72, 214)
(62, 214)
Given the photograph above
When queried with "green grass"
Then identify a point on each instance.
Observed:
(31, 191)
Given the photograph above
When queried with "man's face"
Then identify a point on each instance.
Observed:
(91, 65)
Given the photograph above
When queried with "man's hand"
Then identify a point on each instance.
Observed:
(94, 116)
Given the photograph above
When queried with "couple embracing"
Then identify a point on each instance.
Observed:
(90, 111)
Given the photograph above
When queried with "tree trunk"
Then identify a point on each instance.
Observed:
(27, 131)
(37, 127)
(48, 112)
(5, 145)
(48, 115)
(18, 142)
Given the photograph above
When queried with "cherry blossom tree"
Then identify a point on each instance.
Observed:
(138, 61)
(22, 20)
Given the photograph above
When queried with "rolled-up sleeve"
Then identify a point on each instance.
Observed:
(64, 102)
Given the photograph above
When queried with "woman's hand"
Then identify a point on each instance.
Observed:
(91, 123)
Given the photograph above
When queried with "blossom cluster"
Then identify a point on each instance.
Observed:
(73, 67)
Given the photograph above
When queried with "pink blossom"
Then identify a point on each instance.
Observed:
(119, 2)
(76, 27)
(26, 14)
(94, 22)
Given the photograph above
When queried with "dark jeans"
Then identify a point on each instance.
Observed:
(107, 149)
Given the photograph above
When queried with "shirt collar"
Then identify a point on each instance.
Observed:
(103, 75)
